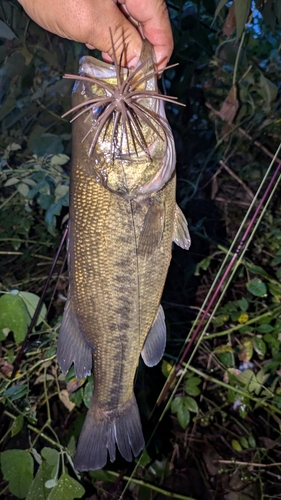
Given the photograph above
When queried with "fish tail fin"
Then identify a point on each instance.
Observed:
(103, 430)
(72, 345)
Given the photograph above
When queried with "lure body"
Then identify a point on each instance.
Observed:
(123, 219)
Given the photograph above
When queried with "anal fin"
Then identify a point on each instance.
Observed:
(72, 345)
(155, 342)
(152, 230)
(181, 234)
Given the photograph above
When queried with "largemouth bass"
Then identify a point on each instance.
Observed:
(123, 219)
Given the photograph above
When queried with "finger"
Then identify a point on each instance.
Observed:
(111, 19)
(154, 18)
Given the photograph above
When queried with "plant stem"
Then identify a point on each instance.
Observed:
(247, 464)
(169, 494)
(8, 199)
(242, 325)
(34, 429)
(23, 240)
(38, 256)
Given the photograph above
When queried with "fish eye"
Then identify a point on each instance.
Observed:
(97, 111)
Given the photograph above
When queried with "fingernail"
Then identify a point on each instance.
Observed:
(133, 62)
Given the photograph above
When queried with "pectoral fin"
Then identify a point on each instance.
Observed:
(152, 230)
(155, 342)
(72, 345)
(181, 234)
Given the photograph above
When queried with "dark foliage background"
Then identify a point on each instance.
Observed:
(217, 434)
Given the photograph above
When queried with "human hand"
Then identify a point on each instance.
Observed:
(90, 21)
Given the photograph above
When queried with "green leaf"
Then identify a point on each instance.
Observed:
(244, 443)
(192, 380)
(13, 316)
(160, 468)
(252, 382)
(275, 290)
(53, 210)
(61, 191)
(59, 159)
(11, 182)
(41, 186)
(183, 416)
(38, 490)
(257, 270)
(276, 261)
(223, 348)
(221, 319)
(269, 92)
(242, 10)
(236, 445)
(268, 13)
(31, 300)
(192, 390)
(252, 442)
(67, 488)
(8, 105)
(243, 304)
(45, 200)
(176, 404)
(219, 7)
(203, 264)
(145, 459)
(17, 468)
(262, 377)
(257, 287)
(16, 392)
(191, 385)
(17, 425)
(227, 359)
(191, 404)
(265, 328)
(180, 407)
(51, 456)
(23, 189)
(88, 392)
(13, 147)
(166, 368)
(71, 447)
(6, 32)
(77, 397)
(259, 346)
(246, 349)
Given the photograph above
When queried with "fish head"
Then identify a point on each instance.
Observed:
(120, 121)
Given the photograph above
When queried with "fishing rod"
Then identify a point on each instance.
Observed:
(220, 284)
(39, 305)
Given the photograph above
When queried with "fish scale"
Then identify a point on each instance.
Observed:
(113, 289)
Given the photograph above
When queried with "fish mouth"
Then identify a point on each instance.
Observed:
(118, 98)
